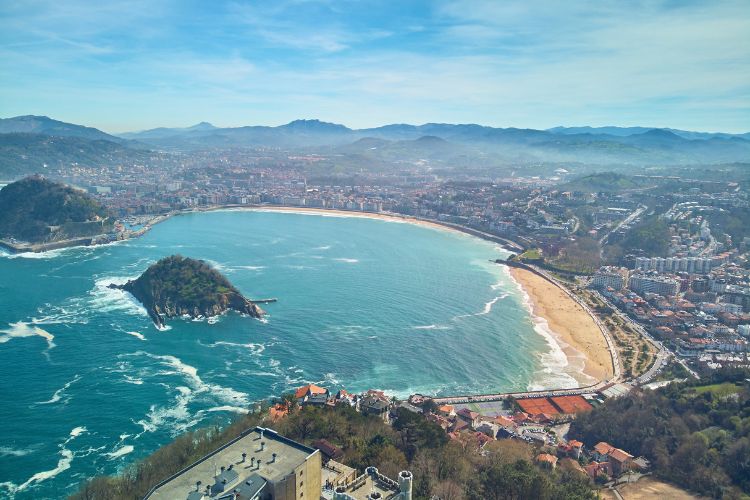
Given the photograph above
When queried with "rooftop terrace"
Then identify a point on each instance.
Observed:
(267, 454)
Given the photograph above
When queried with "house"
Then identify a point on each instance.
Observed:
(620, 461)
(329, 451)
(572, 448)
(483, 438)
(601, 450)
(309, 390)
(546, 460)
(458, 426)
(488, 428)
(374, 406)
(278, 411)
(598, 469)
(440, 420)
(468, 416)
(446, 410)
(504, 421)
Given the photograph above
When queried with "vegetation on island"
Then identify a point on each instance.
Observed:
(696, 434)
(180, 286)
(37, 210)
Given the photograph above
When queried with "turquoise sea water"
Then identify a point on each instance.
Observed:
(90, 385)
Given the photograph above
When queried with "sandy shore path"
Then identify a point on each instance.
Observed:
(576, 332)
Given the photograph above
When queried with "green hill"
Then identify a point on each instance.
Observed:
(37, 210)
(178, 286)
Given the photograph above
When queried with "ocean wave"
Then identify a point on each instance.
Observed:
(7, 451)
(486, 309)
(63, 464)
(105, 299)
(233, 409)
(323, 247)
(347, 260)
(556, 365)
(119, 452)
(250, 268)
(23, 329)
(256, 349)
(58, 395)
(431, 327)
(178, 415)
(137, 335)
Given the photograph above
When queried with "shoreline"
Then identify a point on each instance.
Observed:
(570, 326)
(585, 349)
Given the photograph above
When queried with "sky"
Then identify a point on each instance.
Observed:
(138, 64)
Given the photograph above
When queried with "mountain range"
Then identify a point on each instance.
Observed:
(454, 144)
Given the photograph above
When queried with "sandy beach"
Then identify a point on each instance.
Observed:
(350, 213)
(573, 329)
(576, 332)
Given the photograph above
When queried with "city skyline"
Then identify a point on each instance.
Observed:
(121, 67)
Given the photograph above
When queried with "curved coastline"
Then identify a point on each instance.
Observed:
(587, 358)
(582, 357)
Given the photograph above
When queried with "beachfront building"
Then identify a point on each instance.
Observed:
(660, 285)
(609, 277)
(258, 464)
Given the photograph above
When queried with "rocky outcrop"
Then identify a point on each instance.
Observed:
(178, 286)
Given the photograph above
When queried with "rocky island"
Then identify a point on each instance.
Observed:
(38, 214)
(179, 286)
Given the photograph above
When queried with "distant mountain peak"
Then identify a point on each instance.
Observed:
(315, 125)
(202, 126)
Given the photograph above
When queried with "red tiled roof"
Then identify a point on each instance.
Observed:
(309, 389)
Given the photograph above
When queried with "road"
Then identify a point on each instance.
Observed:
(662, 356)
(627, 220)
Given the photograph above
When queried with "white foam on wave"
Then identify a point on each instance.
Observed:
(7, 451)
(431, 327)
(178, 415)
(119, 452)
(256, 349)
(23, 329)
(133, 380)
(555, 372)
(49, 254)
(323, 247)
(250, 268)
(57, 396)
(233, 409)
(63, 464)
(105, 299)
(486, 309)
(347, 260)
(557, 366)
(137, 335)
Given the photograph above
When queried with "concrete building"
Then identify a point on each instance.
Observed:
(608, 277)
(659, 285)
(257, 465)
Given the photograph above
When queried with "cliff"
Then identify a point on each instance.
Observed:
(180, 286)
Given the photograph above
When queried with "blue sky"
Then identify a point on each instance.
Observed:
(136, 64)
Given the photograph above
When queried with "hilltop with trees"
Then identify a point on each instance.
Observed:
(37, 210)
(179, 286)
(696, 434)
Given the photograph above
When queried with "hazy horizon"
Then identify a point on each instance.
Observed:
(128, 66)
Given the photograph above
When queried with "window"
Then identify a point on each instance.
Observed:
(301, 483)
